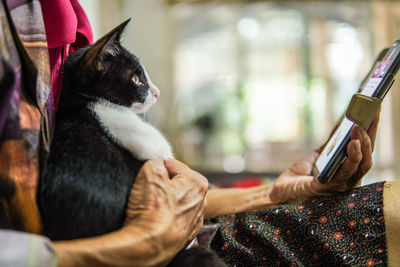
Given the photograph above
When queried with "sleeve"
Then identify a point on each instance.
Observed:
(20, 249)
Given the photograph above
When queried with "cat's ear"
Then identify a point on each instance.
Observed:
(106, 44)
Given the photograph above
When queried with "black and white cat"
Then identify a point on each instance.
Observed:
(99, 144)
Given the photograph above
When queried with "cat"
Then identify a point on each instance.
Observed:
(100, 142)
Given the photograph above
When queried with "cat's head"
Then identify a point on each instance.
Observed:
(107, 71)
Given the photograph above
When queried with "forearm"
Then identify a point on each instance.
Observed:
(233, 200)
(130, 246)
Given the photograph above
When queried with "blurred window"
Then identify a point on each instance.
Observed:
(259, 84)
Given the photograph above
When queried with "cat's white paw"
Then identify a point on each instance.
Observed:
(160, 150)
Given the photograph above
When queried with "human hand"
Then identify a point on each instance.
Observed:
(298, 183)
(165, 210)
(168, 200)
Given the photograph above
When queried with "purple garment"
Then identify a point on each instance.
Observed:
(10, 73)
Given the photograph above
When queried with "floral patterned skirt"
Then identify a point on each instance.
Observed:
(345, 229)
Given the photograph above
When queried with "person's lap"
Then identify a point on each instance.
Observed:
(345, 228)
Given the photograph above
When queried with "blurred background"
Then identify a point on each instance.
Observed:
(248, 87)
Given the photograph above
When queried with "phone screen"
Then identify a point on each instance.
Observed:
(334, 152)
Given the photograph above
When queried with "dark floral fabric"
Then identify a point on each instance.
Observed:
(345, 229)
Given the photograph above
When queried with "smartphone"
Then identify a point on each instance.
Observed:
(377, 83)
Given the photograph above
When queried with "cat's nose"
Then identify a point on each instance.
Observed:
(155, 91)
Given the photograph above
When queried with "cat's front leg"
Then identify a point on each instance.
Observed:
(150, 146)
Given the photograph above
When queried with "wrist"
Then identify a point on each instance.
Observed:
(163, 234)
(234, 200)
(262, 197)
(277, 193)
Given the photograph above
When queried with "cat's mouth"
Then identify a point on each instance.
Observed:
(140, 108)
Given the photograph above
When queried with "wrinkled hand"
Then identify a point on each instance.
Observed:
(168, 200)
(298, 183)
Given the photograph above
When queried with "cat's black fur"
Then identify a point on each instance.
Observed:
(88, 176)
(197, 257)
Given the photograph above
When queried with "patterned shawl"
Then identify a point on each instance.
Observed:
(27, 102)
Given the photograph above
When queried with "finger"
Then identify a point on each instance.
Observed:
(354, 153)
(366, 162)
(373, 128)
(358, 133)
(366, 150)
(175, 167)
(153, 168)
(350, 165)
(189, 177)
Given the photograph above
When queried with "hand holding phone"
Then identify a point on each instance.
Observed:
(298, 183)
(377, 84)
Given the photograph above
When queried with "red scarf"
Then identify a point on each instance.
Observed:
(67, 29)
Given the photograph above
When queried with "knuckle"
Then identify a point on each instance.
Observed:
(366, 140)
(364, 134)
(156, 168)
(200, 180)
(142, 174)
(148, 167)
(158, 171)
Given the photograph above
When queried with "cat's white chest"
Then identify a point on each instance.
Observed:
(128, 130)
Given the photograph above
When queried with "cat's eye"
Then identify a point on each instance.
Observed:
(136, 80)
